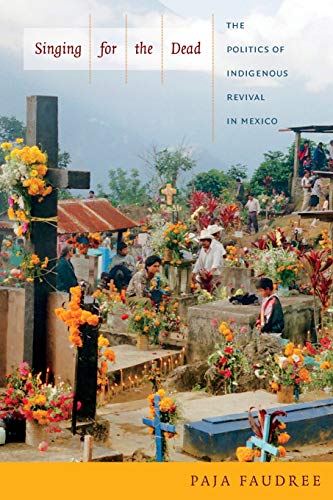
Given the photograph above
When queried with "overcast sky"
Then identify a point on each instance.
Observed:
(108, 124)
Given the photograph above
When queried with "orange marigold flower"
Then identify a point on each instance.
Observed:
(282, 451)
(109, 355)
(283, 438)
(275, 386)
(244, 454)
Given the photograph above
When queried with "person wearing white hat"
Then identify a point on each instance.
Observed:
(216, 232)
(209, 258)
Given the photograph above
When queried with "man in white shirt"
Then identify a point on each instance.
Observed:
(253, 208)
(216, 232)
(306, 186)
(210, 257)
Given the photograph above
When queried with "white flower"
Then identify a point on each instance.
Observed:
(295, 358)
(20, 202)
(281, 361)
(259, 374)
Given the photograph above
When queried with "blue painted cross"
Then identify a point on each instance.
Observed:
(159, 427)
(263, 443)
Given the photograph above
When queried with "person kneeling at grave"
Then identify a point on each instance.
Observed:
(271, 318)
(65, 271)
(141, 287)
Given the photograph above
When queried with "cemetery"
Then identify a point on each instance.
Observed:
(184, 372)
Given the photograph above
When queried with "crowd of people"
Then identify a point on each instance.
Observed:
(321, 159)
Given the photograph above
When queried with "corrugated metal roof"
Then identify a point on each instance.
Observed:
(90, 216)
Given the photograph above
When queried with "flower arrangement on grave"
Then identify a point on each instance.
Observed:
(235, 256)
(174, 238)
(105, 355)
(208, 281)
(286, 369)
(18, 384)
(316, 265)
(229, 216)
(23, 177)
(145, 320)
(228, 360)
(322, 373)
(171, 321)
(277, 435)
(203, 206)
(26, 397)
(74, 317)
(203, 296)
(48, 405)
(274, 239)
(279, 264)
(168, 415)
(82, 242)
(110, 301)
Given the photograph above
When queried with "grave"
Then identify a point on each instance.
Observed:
(202, 335)
(217, 438)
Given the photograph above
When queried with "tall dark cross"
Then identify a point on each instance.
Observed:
(42, 130)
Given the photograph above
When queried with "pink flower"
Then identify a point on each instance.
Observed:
(24, 369)
(10, 201)
(25, 226)
(214, 322)
(243, 329)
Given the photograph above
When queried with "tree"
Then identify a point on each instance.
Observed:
(169, 163)
(214, 181)
(237, 171)
(125, 188)
(277, 167)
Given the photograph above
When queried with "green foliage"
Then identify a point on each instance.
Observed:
(125, 188)
(214, 181)
(169, 163)
(237, 171)
(276, 165)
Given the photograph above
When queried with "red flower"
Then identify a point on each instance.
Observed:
(124, 316)
(325, 342)
(310, 348)
(227, 373)
(214, 322)
(223, 361)
(228, 350)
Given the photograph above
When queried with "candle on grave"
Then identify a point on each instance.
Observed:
(123, 385)
(176, 363)
(164, 367)
(116, 388)
(136, 381)
(121, 377)
(145, 369)
(47, 376)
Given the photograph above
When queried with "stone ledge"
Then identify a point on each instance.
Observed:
(217, 438)
(202, 335)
